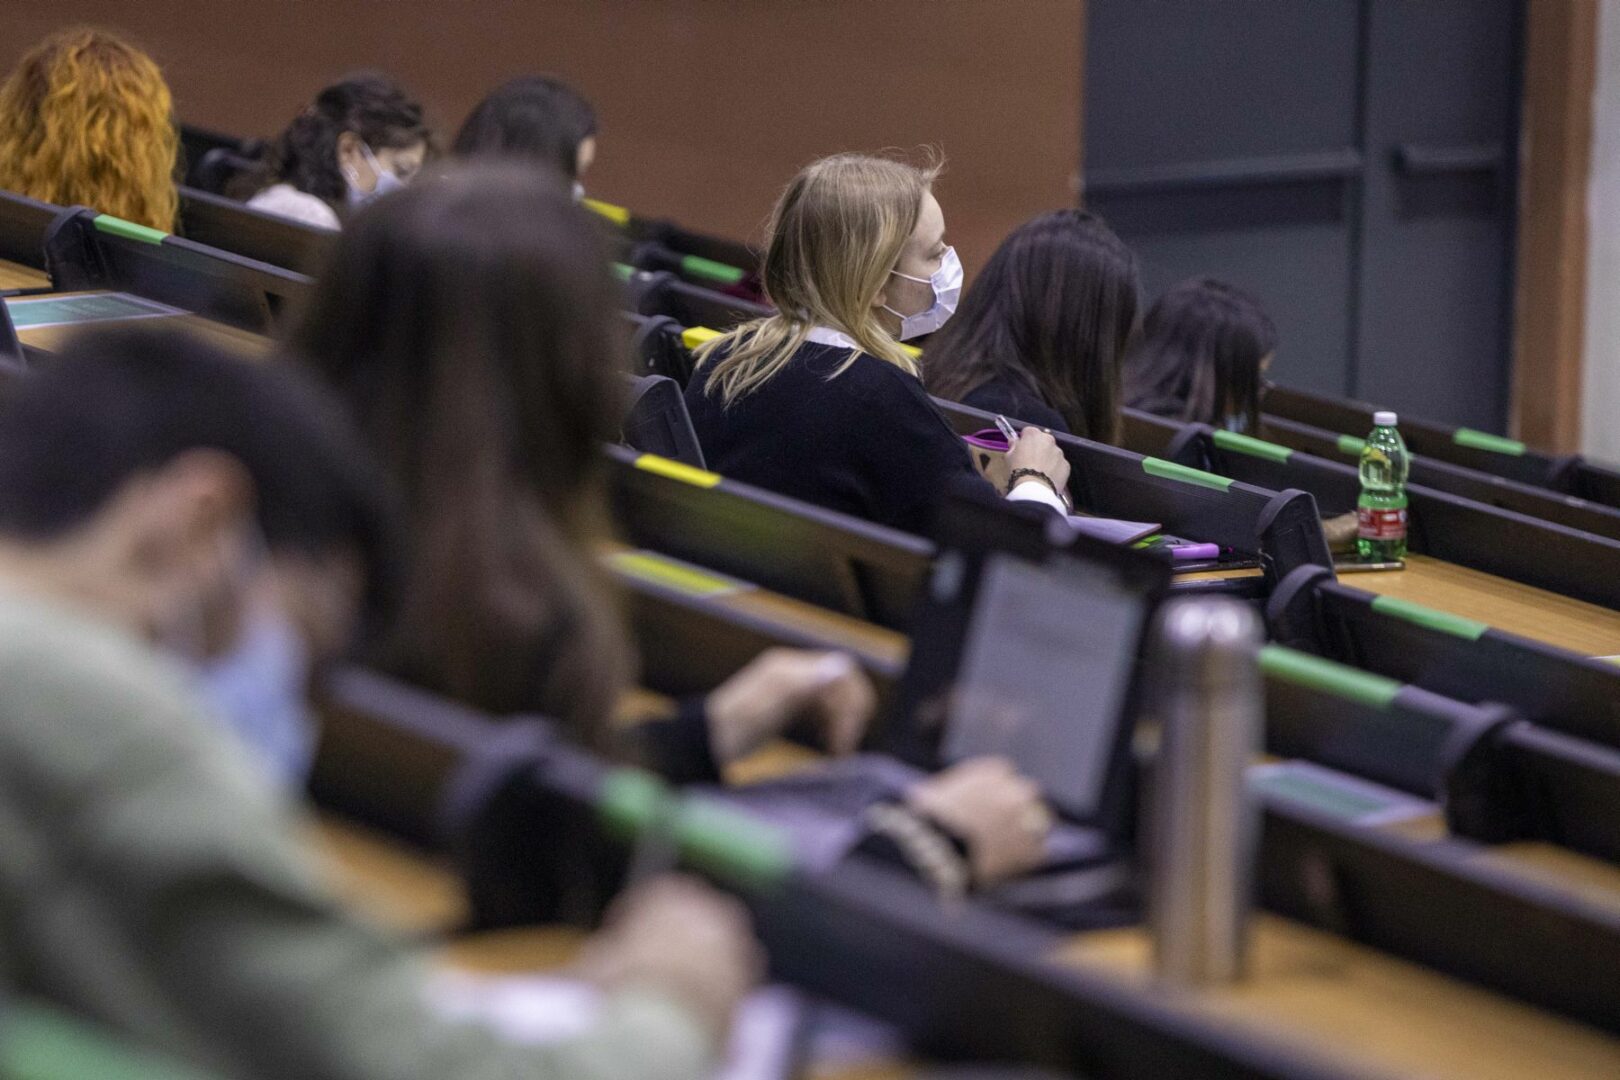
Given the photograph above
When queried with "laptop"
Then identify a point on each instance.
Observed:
(1025, 645)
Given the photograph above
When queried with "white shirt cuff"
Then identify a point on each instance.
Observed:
(1036, 491)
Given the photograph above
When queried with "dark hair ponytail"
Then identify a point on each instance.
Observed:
(369, 104)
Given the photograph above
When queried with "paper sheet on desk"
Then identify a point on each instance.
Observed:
(545, 1008)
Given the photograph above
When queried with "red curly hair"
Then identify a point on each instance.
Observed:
(85, 119)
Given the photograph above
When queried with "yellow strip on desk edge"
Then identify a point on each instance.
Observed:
(673, 574)
(616, 214)
(693, 336)
(675, 470)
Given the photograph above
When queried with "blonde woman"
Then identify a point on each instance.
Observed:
(820, 401)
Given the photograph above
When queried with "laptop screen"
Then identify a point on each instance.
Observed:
(1045, 673)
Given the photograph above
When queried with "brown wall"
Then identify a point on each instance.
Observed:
(706, 107)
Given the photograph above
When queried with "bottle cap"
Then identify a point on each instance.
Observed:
(1384, 419)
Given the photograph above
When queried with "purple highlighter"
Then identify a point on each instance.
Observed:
(1195, 552)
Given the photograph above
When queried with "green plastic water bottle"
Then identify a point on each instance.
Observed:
(1381, 510)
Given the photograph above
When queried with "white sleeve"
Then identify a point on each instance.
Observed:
(1037, 491)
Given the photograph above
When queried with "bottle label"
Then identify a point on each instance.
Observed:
(1374, 523)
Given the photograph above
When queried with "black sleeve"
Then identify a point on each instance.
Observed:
(678, 748)
(913, 457)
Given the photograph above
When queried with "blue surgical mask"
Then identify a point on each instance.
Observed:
(259, 687)
(947, 285)
(386, 181)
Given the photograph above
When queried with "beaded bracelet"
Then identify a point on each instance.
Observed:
(928, 851)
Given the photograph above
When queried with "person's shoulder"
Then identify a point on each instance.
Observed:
(1010, 396)
(286, 201)
(83, 679)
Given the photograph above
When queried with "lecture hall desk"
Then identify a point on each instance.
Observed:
(51, 338)
(1351, 1002)
(1305, 988)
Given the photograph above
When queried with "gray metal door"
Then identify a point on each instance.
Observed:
(1347, 160)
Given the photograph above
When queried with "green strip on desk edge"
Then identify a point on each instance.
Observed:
(1340, 680)
(698, 266)
(1169, 470)
(1351, 446)
(1484, 440)
(129, 230)
(1417, 614)
(710, 837)
(1248, 444)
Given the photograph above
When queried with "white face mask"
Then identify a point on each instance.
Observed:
(386, 181)
(947, 285)
(258, 689)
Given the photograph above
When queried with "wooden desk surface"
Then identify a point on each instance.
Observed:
(17, 276)
(389, 882)
(51, 338)
(1506, 605)
(1365, 1008)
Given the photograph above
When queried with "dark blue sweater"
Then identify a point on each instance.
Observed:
(866, 442)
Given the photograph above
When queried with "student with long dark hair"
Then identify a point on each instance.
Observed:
(469, 327)
(1205, 347)
(535, 117)
(1041, 334)
(360, 138)
(821, 401)
(469, 323)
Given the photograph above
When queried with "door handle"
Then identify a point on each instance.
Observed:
(1426, 159)
(1338, 164)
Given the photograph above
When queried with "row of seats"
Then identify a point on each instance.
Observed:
(1404, 697)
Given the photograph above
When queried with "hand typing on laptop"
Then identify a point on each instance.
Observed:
(782, 687)
(995, 811)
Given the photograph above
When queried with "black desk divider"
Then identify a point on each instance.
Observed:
(210, 159)
(1488, 488)
(1402, 737)
(663, 293)
(656, 347)
(1449, 655)
(668, 235)
(656, 420)
(237, 228)
(716, 274)
(23, 225)
(86, 250)
(1443, 904)
(790, 547)
(960, 984)
(1471, 449)
(688, 644)
(1281, 526)
(1511, 545)
(1556, 778)
(1567, 790)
